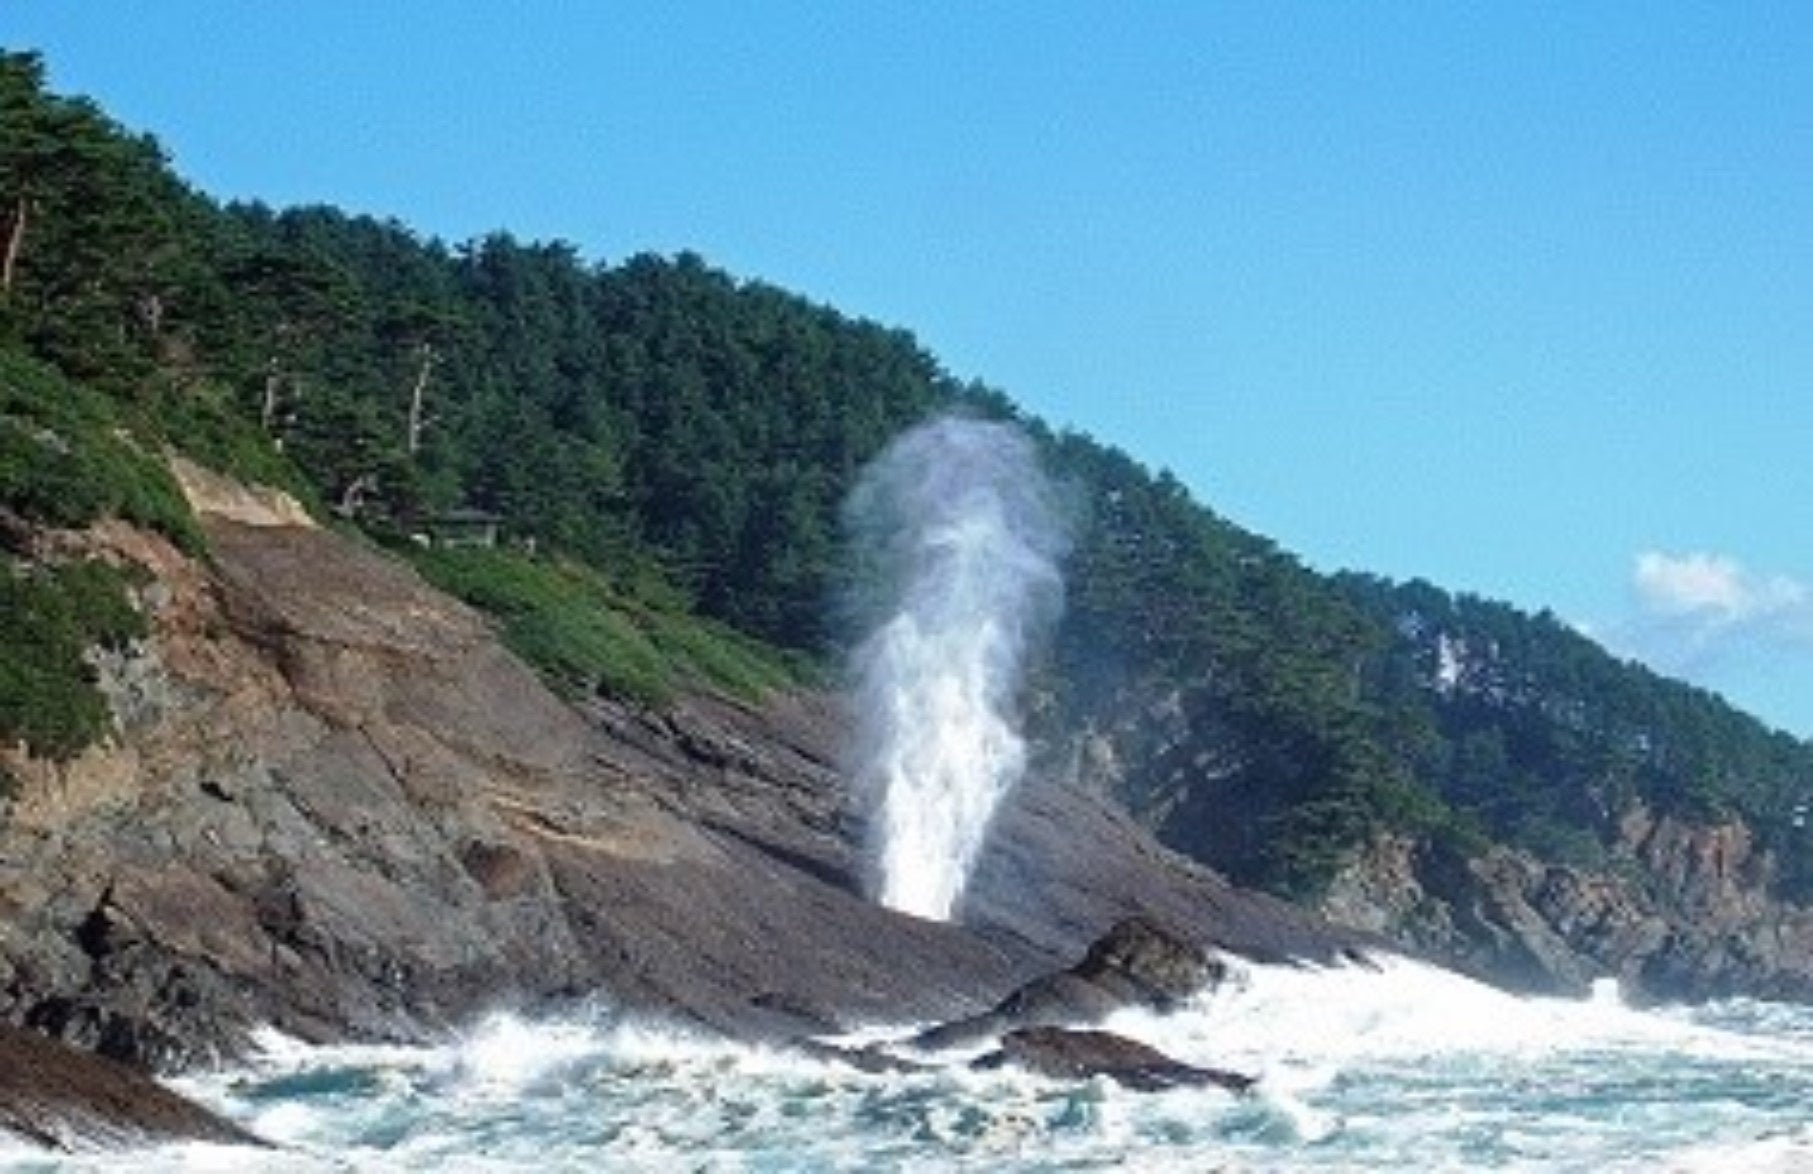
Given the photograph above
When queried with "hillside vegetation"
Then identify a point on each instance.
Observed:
(664, 449)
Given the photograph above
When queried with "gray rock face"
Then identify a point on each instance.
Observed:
(340, 807)
(1684, 914)
(66, 1100)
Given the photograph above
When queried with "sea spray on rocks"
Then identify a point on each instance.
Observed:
(955, 539)
(1387, 1066)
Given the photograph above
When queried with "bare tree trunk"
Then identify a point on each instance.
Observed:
(267, 415)
(15, 242)
(417, 393)
(151, 308)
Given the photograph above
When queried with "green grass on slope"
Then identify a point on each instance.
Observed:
(68, 458)
(49, 618)
(585, 635)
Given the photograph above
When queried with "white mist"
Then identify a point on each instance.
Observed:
(957, 541)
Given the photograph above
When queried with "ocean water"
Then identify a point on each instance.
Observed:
(1361, 1069)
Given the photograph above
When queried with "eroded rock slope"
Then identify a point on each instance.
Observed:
(336, 804)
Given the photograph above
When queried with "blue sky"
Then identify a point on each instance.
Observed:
(1514, 297)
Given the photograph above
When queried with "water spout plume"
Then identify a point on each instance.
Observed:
(956, 540)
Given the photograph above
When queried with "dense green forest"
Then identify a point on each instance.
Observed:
(665, 448)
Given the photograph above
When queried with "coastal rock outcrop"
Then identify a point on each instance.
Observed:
(335, 804)
(1680, 912)
(64, 1099)
(1039, 1026)
(1138, 963)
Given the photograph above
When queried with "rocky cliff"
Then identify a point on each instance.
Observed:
(1683, 912)
(335, 804)
(1680, 910)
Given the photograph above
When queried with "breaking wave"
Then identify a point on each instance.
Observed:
(1360, 1069)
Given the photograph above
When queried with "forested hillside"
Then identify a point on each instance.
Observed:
(656, 439)
(1541, 739)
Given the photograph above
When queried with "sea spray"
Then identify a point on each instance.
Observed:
(1386, 1066)
(956, 538)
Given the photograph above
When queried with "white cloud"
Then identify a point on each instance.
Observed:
(1698, 611)
(1709, 619)
(1716, 589)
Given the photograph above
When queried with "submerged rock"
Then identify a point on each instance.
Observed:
(64, 1099)
(1065, 1054)
(872, 1059)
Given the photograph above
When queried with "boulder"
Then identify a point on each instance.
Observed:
(1143, 964)
(1138, 963)
(1064, 1054)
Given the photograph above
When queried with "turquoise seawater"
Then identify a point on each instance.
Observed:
(1400, 1067)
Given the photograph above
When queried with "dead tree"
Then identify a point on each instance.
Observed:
(418, 421)
(15, 243)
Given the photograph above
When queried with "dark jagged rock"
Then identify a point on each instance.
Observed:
(1135, 964)
(1141, 963)
(64, 1099)
(1064, 1054)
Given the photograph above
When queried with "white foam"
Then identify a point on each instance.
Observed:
(506, 1052)
(1360, 1069)
(1301, 1028)
(1789, 1151)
